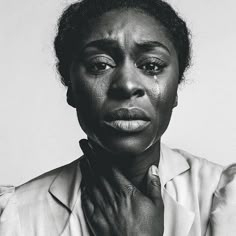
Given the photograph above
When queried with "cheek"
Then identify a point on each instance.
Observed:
(89, 93)
(98, 90)
(168, 95)
(162, 94)
(168, 87)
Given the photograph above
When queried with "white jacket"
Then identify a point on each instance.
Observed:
(199, 200)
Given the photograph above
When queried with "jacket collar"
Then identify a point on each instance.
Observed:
(171, 164)
(179, 219)
(65, 187)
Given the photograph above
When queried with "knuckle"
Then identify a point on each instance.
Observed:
(156, 182)
(130, 190)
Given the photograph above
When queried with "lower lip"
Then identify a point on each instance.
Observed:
(128, 125)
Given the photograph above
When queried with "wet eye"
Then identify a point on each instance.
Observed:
(151, 66)
(99, 65)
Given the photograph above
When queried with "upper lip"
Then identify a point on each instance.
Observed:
(132, 113)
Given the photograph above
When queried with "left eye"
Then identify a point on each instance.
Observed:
(150, 67)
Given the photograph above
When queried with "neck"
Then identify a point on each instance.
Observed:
(134, 167)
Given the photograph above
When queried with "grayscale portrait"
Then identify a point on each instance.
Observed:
(118, 118)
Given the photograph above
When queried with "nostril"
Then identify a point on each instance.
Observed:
(138, 93)
(119, 93)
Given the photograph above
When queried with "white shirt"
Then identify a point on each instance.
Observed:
(199, 200)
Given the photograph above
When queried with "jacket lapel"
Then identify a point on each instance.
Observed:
(178, 219)
(65, 189)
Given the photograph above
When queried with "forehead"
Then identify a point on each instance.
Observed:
(127, 26)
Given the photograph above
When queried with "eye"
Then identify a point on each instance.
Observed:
(151, 66)
(99, 64)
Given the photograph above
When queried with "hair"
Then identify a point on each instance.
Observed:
(75, 18)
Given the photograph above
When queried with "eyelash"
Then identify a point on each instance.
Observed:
(157, 63)
(93, 65)
(98, 65)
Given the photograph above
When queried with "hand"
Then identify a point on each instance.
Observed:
(113, 206)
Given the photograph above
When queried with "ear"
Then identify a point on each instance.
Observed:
(176, 101)
(70, 98)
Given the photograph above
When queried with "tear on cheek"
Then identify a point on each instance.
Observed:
(155, 90)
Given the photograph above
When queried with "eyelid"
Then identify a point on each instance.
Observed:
(150, 60)
(101, 59)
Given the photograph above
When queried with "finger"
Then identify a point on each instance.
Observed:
(87, 173)
(113, 175)
(119, 181)
(91, 203)
(87, 167)
(88, 210)
(107, 190)
(87, 204)
(97, 188)
(90, 157)
(154, 186)
(94, 214)
(86, 148)
(94, 178)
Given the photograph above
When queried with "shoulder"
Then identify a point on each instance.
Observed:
(226, 189)
(223, 212)
(37, 189)
(201, 166)
(198, 174)
(209, 174)
(33, 204)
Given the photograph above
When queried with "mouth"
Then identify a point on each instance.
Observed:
(127, 119)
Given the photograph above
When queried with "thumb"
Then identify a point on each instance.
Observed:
(154, 186)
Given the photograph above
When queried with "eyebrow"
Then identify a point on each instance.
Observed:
(103, 44)
(107, 44)
(150, 45)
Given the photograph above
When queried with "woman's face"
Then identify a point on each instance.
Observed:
(124, 84)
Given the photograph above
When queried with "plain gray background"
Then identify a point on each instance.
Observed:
(39, 131)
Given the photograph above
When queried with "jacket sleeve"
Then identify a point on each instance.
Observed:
(223, 214)
(9, 219)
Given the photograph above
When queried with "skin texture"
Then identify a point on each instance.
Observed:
(113, 206)
(125, 60)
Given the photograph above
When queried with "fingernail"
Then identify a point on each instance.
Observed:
(154, 170)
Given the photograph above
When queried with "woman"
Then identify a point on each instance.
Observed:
(122, 62)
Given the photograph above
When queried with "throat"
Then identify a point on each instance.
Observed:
(134, 167)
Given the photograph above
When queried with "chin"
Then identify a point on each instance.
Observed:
(126, 145)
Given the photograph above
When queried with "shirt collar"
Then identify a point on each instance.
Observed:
(171, 164)
(65, 187)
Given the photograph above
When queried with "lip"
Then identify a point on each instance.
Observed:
(127, 119)
(132, 113)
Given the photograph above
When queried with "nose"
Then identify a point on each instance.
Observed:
(126, 84)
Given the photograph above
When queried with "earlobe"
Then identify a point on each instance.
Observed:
(70, 98)
(176, 101)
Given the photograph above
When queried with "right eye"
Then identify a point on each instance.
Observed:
(99, 65)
